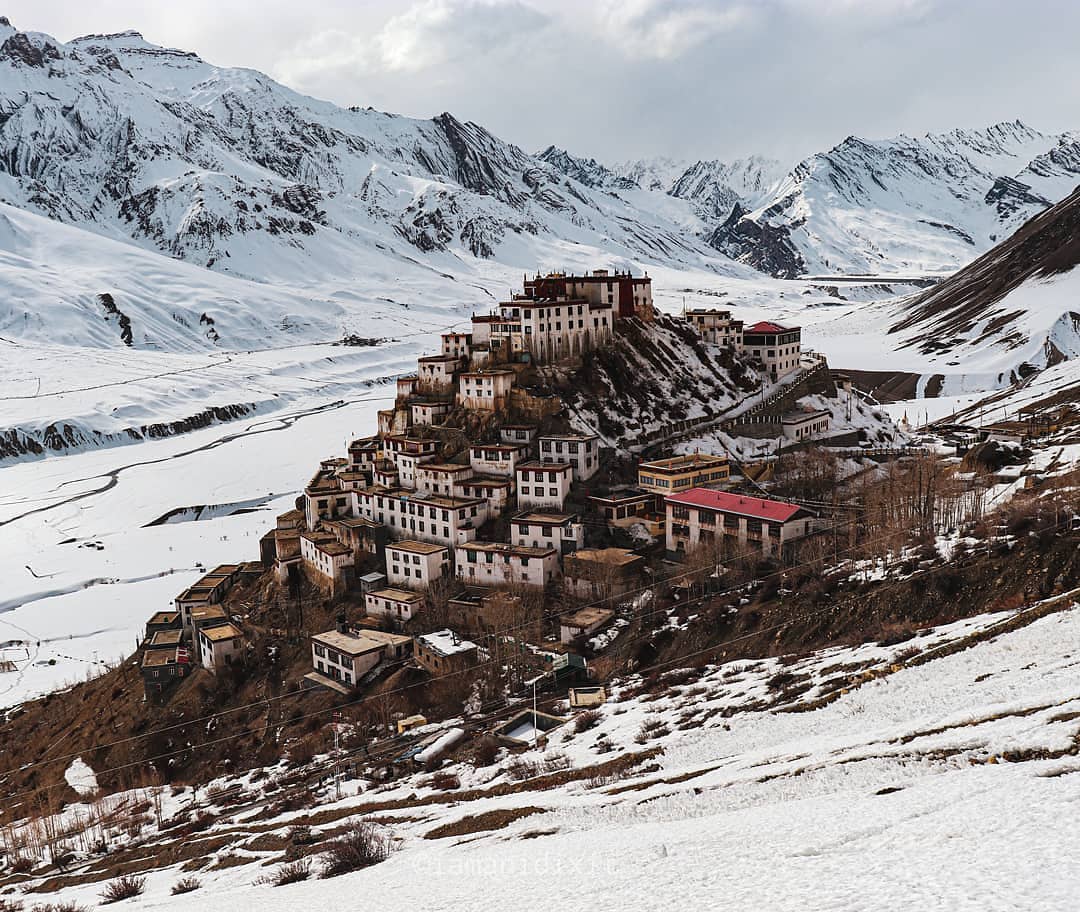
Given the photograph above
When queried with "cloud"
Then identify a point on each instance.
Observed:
(428, 37)
(662, 29)
(621, 79)
(441, 32)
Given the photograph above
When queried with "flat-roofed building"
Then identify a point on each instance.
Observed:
(499, 563)
(457, 344)
(441, 477)
(700, 517)
(164, 620)
(398, 606)
(542, 485)
(497, 458)
(416, 564)
(563, 531)
(717, 327)
(347, 654)
(628, 507)
(324, 498)
(429, 414)
(161, 670)
(435, 374)
(481, 610)
(803, 425)
(220, 646)
(583, 623)
(444, 652)
(582, 451)
(521, 434)
(406, 386)
(496, 491)
(407, 454)
(485, 390)
(680, 473)
(329, 559)
(364, 453)
(165, 639)
(359, 534)
(602, 573)
(625, 294)
(203, 618)
(425, 517)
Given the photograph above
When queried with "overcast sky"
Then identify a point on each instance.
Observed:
(621, 79)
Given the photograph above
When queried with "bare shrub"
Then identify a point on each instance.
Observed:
(361, 847)
(186, 885)
(587, 720)
(66, 906)
(301, 752)
(519, 769)
(126, 886)
(445, 781)
(652, 728)
(487, 751)
(302, 835)
(782, 680)
(292, 872)
(10, 905)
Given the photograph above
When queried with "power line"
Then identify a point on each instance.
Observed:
(472, 669)
(810, 612)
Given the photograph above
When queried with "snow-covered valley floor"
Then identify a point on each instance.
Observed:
(77, 603)
(952, 784)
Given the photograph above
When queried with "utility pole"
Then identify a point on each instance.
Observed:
(534, 719)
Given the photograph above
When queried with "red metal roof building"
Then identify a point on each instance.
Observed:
(701, 517)
(768, 326)
(778, 348)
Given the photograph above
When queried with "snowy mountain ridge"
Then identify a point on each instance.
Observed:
(909, 205)
(228, 169)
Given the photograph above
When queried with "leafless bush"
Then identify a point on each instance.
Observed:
(126, 886)
(293, 872)
(586, 720)
(782, 680)
(360, 848)
(66, 906)
(186, 885)
(652, 728)
(203, 820)
(486, 751)
(302, 835)
(445, 781)
(21, 864)
(520, 769)
(10, 905)
(301, 752)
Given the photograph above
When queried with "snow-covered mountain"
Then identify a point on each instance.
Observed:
(713, 188)
(906, 205)
(1022, 299)
(228, 169)
(926, 205)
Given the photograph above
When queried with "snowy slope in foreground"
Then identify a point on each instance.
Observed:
(940, 786)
